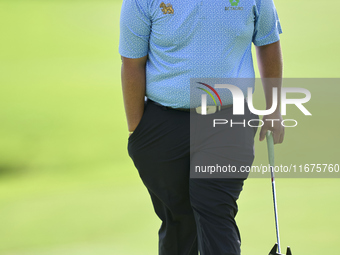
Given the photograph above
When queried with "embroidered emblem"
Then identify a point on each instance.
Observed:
(234, 2)
(166, 8)
(234, 6)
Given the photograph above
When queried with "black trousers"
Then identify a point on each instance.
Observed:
(197, 214)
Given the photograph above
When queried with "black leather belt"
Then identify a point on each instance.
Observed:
(197, 109)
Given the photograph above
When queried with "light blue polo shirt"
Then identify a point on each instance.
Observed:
(194, 39)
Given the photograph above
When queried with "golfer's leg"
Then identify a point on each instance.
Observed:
(177, 234)
(215, 208)
(160, 151)
(213, 196)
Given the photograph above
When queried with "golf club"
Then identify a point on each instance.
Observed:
(276, 250)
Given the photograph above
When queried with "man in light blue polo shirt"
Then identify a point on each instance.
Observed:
(163, 45)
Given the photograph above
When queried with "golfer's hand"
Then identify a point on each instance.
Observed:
(272, 122)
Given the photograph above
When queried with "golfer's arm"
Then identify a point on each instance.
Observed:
(269, 61)
(133, 86)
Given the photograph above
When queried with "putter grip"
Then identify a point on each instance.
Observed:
(270, 146)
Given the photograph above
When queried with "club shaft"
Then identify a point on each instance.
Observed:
(271, 157)
(275, 209)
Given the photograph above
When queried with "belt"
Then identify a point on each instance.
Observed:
(210, 108)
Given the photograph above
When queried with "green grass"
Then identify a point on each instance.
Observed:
(67, 185)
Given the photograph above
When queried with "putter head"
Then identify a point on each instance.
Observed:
(274, 249)
(288, 251)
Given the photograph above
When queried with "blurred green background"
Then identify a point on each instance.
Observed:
(67, 185)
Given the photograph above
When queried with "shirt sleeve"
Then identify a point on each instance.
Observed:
(267, 24)
(135, 27)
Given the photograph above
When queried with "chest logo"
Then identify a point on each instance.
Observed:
(234, 2)
(167, 8)
(234, 6)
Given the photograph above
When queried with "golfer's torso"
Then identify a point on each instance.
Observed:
(193, 39)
